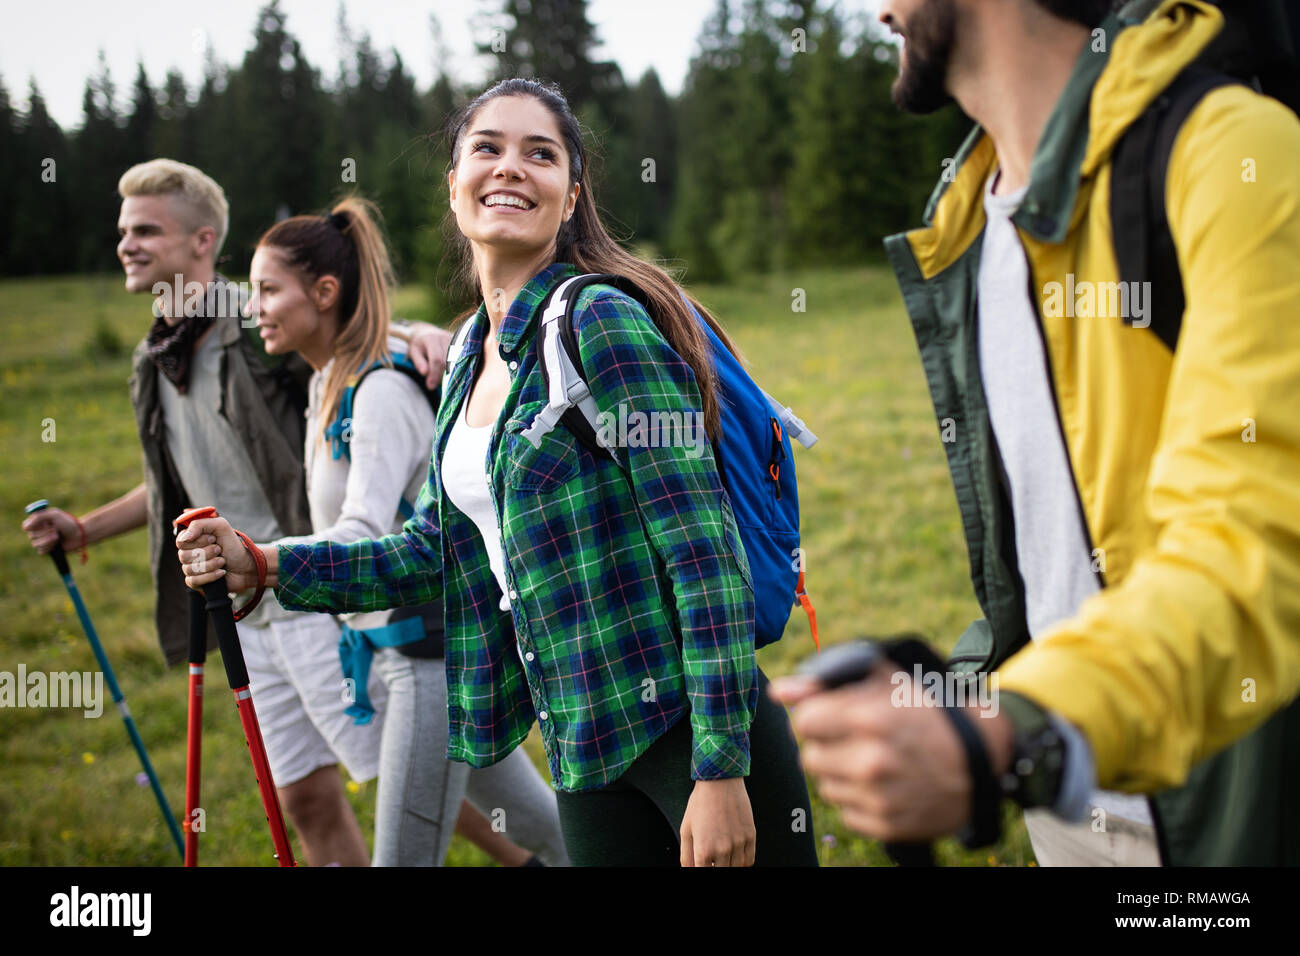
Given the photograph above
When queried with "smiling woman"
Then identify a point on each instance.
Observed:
(607, 600)
(322, 290)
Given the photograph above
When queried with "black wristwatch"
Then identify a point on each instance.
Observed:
(1038, 760)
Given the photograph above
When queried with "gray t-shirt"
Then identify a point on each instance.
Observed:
(212, 464)
(1051, 544)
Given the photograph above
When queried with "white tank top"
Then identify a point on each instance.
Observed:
(465, 481)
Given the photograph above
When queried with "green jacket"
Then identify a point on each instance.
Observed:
(1183, 671)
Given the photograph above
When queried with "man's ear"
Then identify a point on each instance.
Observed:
(203, 242)
(325, 293)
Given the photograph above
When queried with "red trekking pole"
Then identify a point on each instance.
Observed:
(218, 604)
(194, 740)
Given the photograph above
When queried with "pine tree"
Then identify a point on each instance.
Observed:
(10, 171)
(837, 185)
(554, 40)
(140, 124)
(704, 112)
(43, 219)
(749, 236)
(653, 122)
(100, 156)
(272, 165)
(437, 242)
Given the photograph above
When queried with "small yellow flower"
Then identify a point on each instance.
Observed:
(353, 786)
(65, 835)
(87, 757)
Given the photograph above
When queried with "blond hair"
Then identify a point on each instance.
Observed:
(195, 189)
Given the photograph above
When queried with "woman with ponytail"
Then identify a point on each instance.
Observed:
(322, 289)
(605, 599)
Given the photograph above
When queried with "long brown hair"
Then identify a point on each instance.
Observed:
(349, 245)
(584, 242)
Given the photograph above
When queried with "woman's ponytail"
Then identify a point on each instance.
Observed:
(348, 244)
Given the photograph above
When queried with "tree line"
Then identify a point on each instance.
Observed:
(783, 147)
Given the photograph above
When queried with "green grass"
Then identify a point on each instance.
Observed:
(881, 534)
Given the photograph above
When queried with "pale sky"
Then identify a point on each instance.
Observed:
(58, 42)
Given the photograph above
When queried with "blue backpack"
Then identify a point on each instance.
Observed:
(339, 432)
(754, 454)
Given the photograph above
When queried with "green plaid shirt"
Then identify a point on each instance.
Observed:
(631, 603)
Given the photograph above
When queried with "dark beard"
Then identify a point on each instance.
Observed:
(923, 69)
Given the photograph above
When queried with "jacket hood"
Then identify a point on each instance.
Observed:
(1143, 62)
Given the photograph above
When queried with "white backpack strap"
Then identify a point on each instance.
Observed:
(567, 388)
(457, 346)
(792, 423)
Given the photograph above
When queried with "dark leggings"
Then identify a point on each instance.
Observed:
(636, 820)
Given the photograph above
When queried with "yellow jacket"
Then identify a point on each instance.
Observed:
(1187, 464)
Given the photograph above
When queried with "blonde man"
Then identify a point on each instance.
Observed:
(219, 423)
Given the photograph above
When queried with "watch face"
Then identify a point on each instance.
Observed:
(1037, 768)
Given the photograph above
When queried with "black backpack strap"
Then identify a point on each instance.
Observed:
(1144, 247)
(573, 419)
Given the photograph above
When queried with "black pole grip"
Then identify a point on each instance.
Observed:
(223, 619)
(198, 627)
(847, 663)
(60, 560)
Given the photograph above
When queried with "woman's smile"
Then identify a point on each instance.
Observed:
(507, 200)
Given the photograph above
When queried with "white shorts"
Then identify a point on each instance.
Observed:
(298, 693)
(1098, 841)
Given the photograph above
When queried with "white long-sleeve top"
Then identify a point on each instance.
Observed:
(392, 440)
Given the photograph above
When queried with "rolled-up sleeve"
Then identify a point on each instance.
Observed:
(372, 574)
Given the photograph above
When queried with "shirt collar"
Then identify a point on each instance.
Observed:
(517, 324)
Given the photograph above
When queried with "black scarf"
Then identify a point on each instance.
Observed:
(171, 347)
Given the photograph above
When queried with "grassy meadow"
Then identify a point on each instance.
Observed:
(883, 545)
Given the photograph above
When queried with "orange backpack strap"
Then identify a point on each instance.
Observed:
(806, 603)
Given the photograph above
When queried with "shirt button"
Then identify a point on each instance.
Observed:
(528, 656)
(514, 595)
(542, 715)
(513, 366)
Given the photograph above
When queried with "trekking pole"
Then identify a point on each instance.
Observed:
(194, 730)
(232, 655)
(61, 562)
(847, 663)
